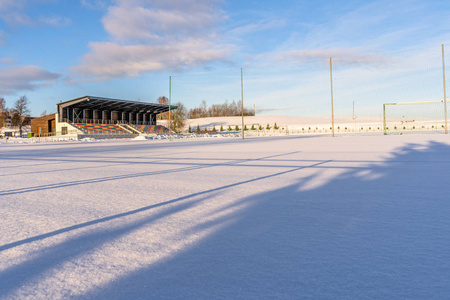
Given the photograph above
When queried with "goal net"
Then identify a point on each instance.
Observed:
(414, 117)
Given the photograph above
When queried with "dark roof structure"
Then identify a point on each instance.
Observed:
(100, 103)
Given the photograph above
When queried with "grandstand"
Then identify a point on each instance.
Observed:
(100, 117)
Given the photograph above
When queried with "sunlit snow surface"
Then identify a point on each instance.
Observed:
(274, 217)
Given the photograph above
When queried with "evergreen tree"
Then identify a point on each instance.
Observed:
(229, 128)
(190, 129)
(237, 128)
(260, 127)
(15, 120)
(253, 127)
(275, 126)
(198, 128)
(214, 129)
(267, 127)
(245, 127)
(221, 128)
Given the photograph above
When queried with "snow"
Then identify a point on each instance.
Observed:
(320, 125)
(355, 217)
(15, 130)
(263, 120)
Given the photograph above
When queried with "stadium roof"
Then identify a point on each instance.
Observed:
(100, 103)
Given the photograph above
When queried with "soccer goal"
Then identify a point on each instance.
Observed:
(411, 117)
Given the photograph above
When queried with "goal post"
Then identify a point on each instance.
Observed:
(410, 117)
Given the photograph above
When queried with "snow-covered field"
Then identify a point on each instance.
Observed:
(357, 217)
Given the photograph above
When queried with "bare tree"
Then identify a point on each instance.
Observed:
(204, 109)
(22, 110)
(44, 113)
(178, 119)
(165, 101)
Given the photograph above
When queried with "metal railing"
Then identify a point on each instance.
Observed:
(104, 122)
(56, 133)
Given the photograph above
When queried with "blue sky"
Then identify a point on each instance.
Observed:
(52, 50)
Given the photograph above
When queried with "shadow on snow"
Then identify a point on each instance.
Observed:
(374, 232)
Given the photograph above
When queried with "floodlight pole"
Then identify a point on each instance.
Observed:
(445, 93)
(242, 103)
(384, 119)
(332, 109)
(353, 115)
(170, 96)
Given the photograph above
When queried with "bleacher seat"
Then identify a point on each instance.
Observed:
(101, 128)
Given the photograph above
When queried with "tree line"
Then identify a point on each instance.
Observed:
(18, 114)
(218, 110)
(179, 115)
(227, 109)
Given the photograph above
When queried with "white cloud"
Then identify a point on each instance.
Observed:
(16, 18)
(2, 36)
(6, 5)
(13, 13)
(156, 20)
(342, 56)
(7, 60)
(94, 4)
(262, 25)
(155, 35)
(54, 21)
(108, 60)
(382, 25)
(24, 78)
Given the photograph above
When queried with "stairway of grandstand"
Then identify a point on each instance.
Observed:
(151, 129)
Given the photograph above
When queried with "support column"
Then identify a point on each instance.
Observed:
(445, 93)
(332, 108)
(97, 116)
(242, 103)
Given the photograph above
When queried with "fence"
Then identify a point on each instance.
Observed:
(311, 93)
